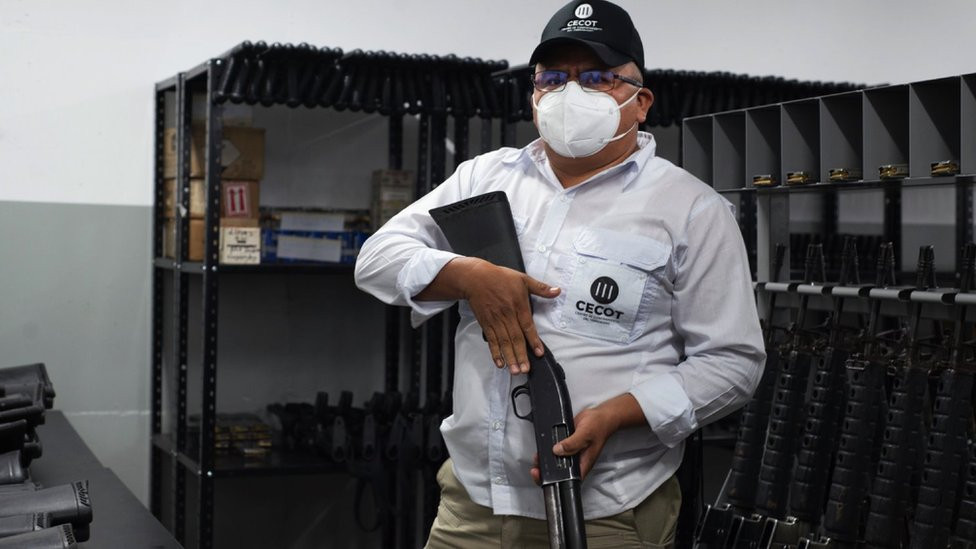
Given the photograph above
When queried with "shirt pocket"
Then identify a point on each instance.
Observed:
(613, 279)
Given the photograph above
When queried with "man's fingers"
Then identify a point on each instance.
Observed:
(530, 334)
(571, 445)
(493, 347)
(508, 349)
(541, 289)
(518, 345)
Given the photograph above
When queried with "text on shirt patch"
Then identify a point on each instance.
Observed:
(604, 291)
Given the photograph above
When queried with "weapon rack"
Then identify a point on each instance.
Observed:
(913, 125)
(174, 458)
(909, 124)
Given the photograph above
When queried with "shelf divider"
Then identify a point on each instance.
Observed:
(934, 124)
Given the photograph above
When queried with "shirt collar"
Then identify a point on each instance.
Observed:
(535, 153)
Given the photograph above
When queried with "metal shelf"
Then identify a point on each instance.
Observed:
(195, 267)
(279, 463)
(859, 185)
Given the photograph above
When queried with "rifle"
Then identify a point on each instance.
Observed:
(464, 224)
(900, 451)
(859, 428)
(59, 537)
(944, 455)
(810, 479)
(964, 530)
(22, 524)
(784, 422)
(68, 503)
(721, 521)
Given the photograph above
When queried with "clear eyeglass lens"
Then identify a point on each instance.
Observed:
(596, 80)
(589, 80)
(550, 80)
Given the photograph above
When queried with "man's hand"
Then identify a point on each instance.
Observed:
(593, 427)
(499, 298)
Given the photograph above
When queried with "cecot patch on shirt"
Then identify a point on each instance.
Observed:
(608, 283)
(603, 299)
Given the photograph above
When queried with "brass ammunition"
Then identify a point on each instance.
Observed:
(844, 174)
(798, 178)
(764, 180)
(893, 171)
(945, 167)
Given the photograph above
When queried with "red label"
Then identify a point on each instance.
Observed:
(236, 202)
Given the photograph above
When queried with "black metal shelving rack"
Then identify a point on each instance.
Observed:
(197, 461)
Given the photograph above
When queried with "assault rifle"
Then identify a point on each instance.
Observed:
(464, 224)
(946, 449)
(59, 537)
(721, 521)
(901, 451)
(784, 423)
(810, 479)
(855, 457)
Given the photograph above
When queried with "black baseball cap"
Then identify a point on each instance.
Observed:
(603, 27)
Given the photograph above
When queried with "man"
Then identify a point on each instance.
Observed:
(641, 289)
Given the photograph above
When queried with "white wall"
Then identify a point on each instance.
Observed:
(76, 107)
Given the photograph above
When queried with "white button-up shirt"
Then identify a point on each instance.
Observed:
(656, 301)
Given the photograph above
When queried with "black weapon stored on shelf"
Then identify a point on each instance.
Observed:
(811, 476)
(952, 414)
(720, 521)
(21, 524)
(901, 450)
(856, 451)
(58, 537)
(65, 504)
(785, 419)
(964, 529)
(551, 412)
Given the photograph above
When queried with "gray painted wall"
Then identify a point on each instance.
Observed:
(75, 295)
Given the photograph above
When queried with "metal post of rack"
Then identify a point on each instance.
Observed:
(393, 313)
(208, 416)
(181, 292)
(892, 218)
(964, 220)
(156, 357)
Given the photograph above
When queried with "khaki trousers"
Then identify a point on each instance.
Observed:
(463, 524)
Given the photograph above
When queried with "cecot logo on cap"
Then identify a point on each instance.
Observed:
(584, 10)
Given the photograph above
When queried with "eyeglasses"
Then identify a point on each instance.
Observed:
(592, 80)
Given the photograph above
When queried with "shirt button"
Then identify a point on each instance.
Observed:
(562, 324)
(496, 425)
(542, 247)
(581, 260)
(498, 480)
(564, 198)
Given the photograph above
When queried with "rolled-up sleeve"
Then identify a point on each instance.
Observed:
(714, 313)
(405, 254)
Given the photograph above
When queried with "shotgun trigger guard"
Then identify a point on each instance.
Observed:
(517, 392)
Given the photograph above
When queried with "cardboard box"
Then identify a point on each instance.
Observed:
(393, 190)
(195, 243)
(242, 154)
(299, 246)
(197, 198)
(240, 199)
(296, 220)
(240, 241)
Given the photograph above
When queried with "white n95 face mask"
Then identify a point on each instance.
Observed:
(577, 123)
